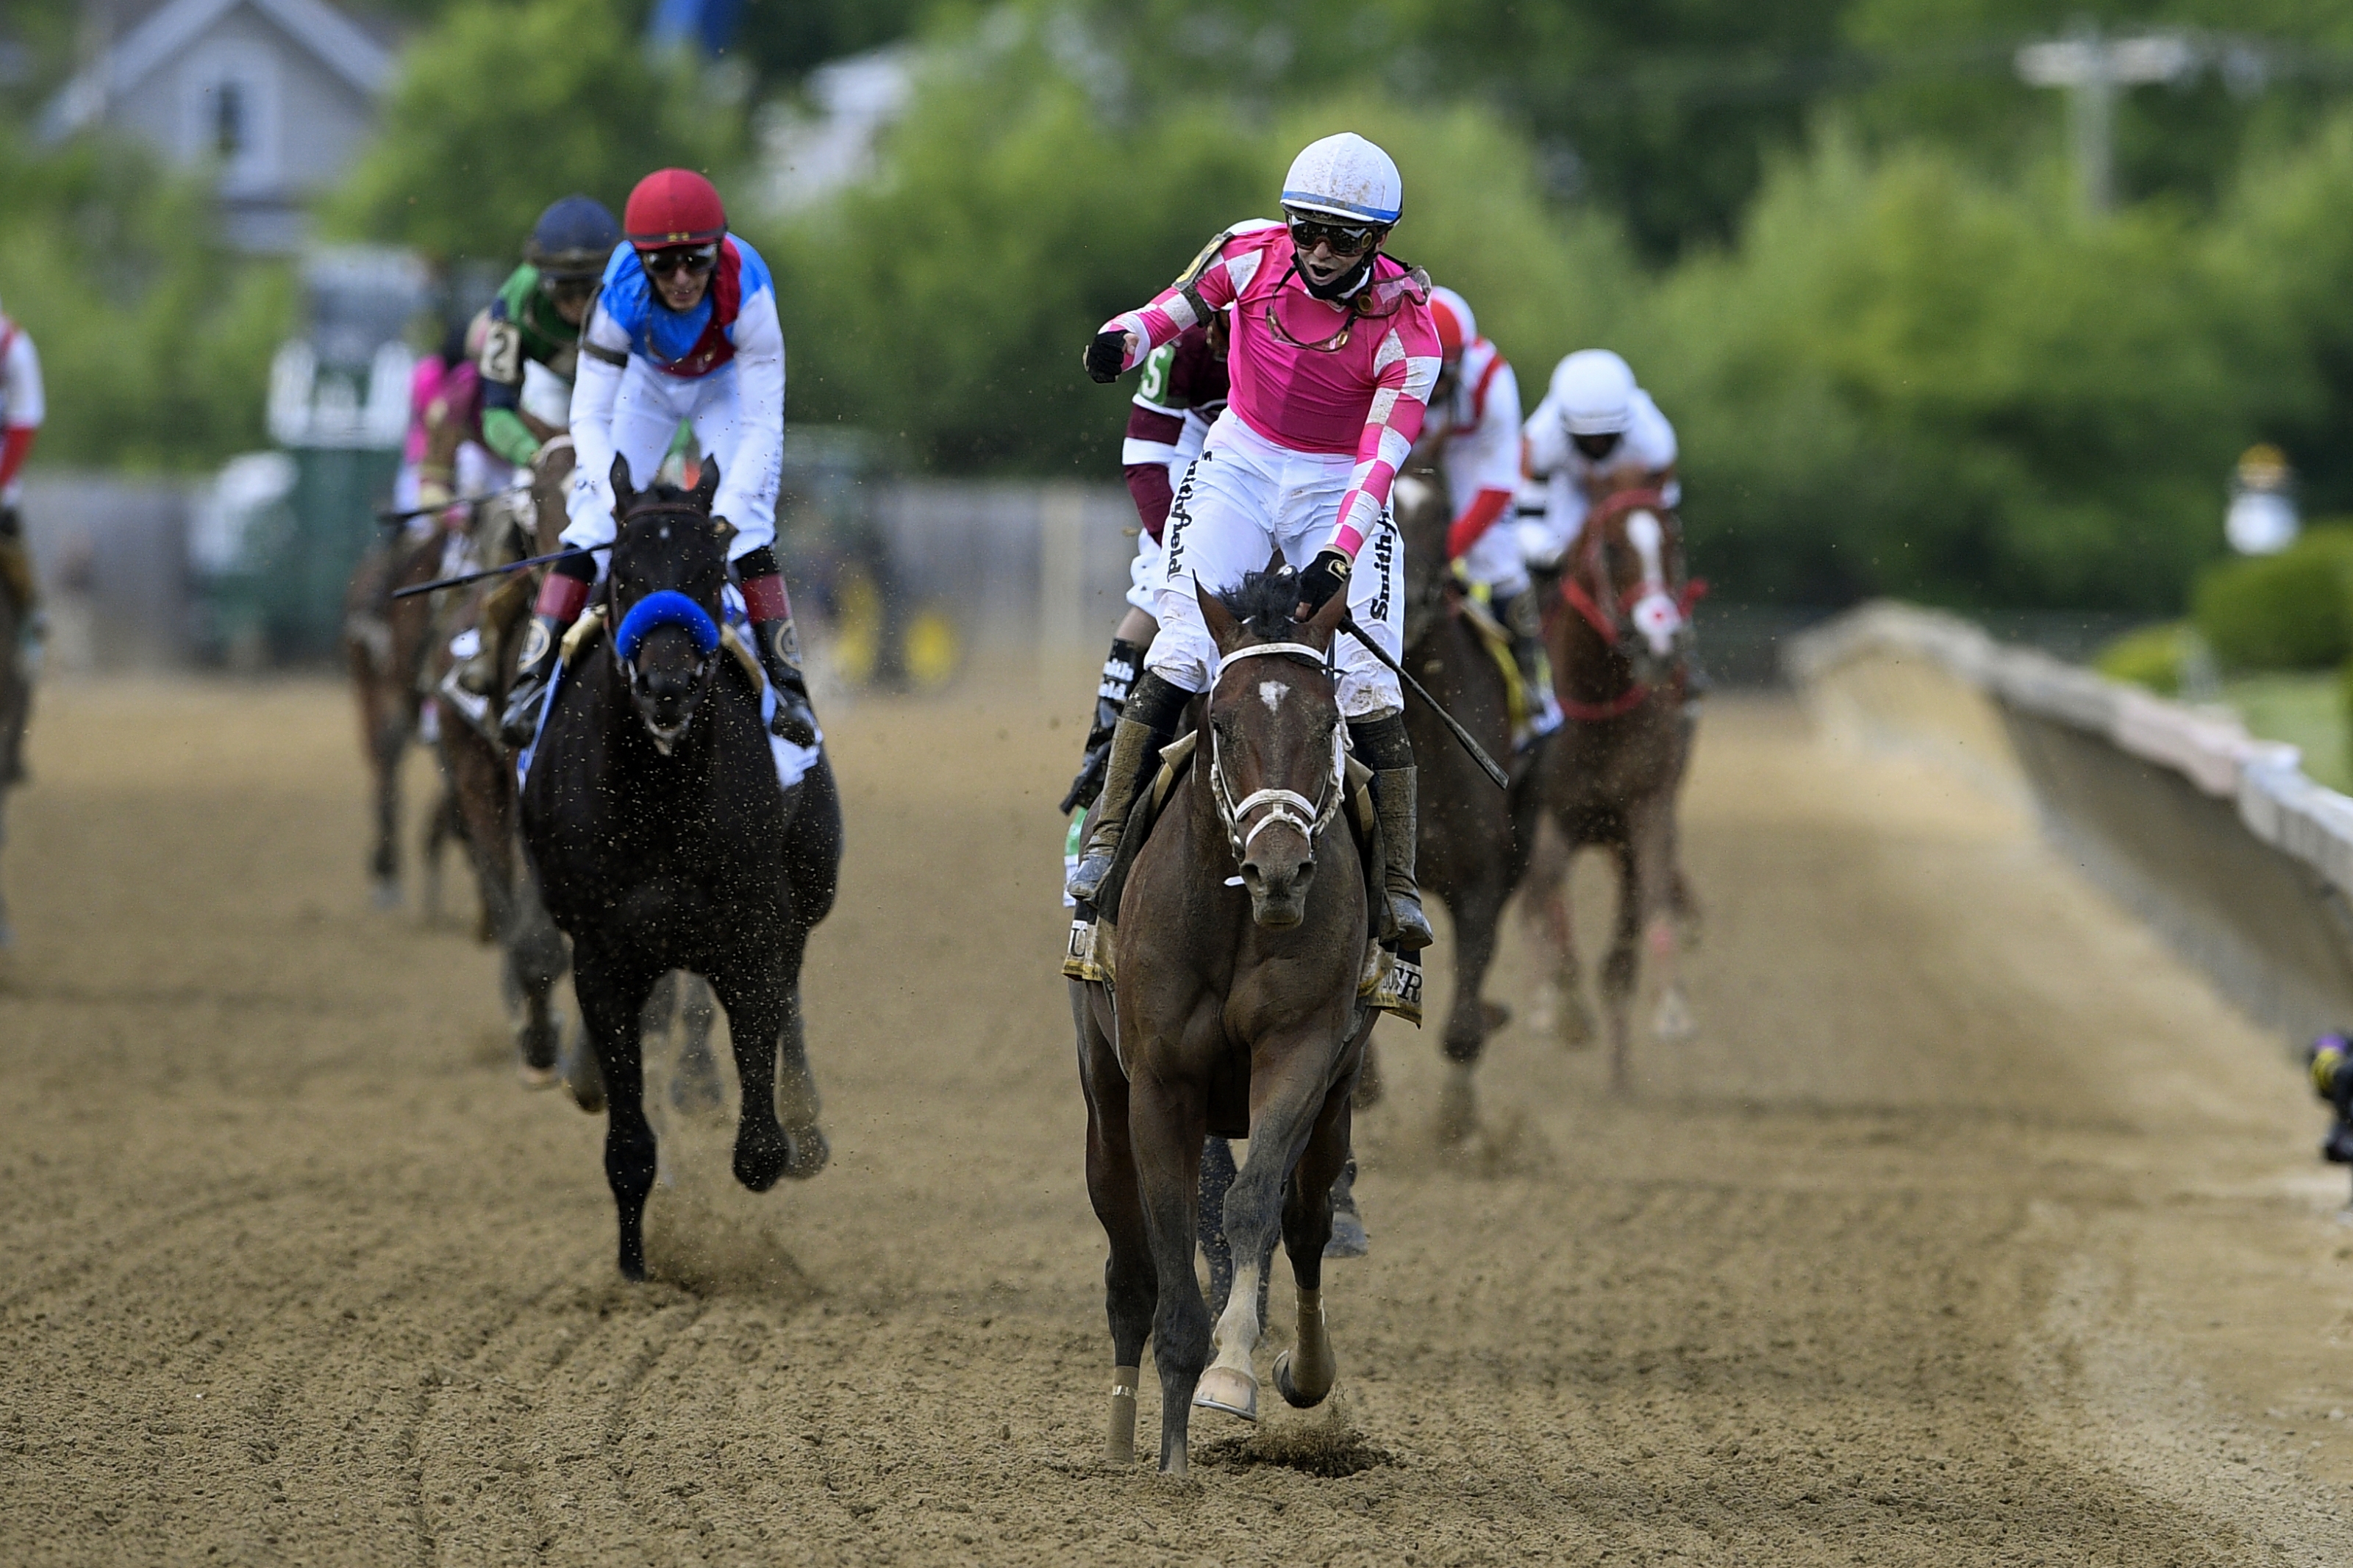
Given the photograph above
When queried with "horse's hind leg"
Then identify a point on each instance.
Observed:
(1217, 1181)
(1468, 1020)
(1305, 1374)
(1621, 970)
(611, 999)
(1559, 1006)
(1131, 1288)
(694, 1084)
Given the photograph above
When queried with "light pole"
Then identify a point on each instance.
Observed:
(2092, 68)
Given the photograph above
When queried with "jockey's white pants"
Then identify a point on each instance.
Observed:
(1143, 573)
(1244, 498)
(1494, 561)
(647, 412)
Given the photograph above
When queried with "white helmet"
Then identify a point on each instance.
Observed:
(1594, 391)
(1451, 313)
(1344, 177)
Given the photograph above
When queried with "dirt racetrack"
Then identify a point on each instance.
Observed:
(1970, 1230)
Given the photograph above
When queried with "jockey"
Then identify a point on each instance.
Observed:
(534, 319)
(1333, 358)
(22, 409)
(1593, 424)
(684, 329)
(1475, 414)
(1182, 392)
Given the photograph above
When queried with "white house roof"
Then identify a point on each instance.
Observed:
(333, 38)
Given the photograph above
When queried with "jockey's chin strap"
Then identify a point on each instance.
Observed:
(1283, 806)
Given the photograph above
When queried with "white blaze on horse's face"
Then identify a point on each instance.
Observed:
(1655, 614)
(1270, 693)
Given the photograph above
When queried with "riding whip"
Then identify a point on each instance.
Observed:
(386, 514)
(1486, 762)
(465, 577)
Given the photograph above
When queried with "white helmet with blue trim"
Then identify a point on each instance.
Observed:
(1347, 178)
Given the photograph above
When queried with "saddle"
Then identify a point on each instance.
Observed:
(1388, 981)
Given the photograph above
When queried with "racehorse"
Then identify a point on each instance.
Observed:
(1619, 635)
(664, 840)
(479, 776)
(1235, 1010)
(384, 642)
(1473, 840)
(15, 714)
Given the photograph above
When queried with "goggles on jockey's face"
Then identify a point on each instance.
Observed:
(1347, 239)
(568, 291)
(693, 260)
(1597, 447)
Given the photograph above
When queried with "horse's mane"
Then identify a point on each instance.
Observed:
(1265, 602)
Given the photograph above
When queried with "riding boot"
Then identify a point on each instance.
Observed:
(542, 647)
(1523, 617)
(780, 655)
(1382, 745)
(1119, 672)
(1145, 726)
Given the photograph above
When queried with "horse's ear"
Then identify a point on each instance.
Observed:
(707, 486)
(1274, 562)
(1224, 630)
(624, 495)
(1325, 621)
(722, 529)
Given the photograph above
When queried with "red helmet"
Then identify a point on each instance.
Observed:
(1451, 313)
(673, 207)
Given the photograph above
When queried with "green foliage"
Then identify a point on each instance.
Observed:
(503, 109)
(155, 340)
(2289, 611)
(2151, 657)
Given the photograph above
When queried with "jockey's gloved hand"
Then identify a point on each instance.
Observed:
(1325, 575)
(1106, 356)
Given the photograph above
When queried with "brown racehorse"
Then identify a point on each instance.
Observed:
(1238, 958)
(1619, 636)
(1473, 838)
(15, 710)
(384, 647)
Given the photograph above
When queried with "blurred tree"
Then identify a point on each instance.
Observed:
(501, 109)
(155, 341)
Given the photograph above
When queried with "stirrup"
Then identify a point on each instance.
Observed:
(1391, 983)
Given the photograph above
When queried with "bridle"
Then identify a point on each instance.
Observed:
(625, 645)
(1589, 590)
(1283, 806)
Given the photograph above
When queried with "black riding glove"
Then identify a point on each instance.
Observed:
(1325, 575)
(1106, 354)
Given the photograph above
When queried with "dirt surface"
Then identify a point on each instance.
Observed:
(1970, 1230)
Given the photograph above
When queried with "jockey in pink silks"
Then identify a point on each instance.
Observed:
(1333, 357)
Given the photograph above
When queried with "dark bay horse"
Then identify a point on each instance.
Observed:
(664, 840)
(1241, 935)
(1473, 838)
(15, 710)
(1619, 635)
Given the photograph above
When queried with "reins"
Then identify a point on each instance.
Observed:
(1607, 623)
(1283, 806)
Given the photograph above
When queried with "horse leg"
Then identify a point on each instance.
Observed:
(1305, 1374)
(1131, 1290)
(1165, 1122)
(1665, 897)
(694, 1084)
(611, 999)
(1480, 910)
(777, 1131)
(1621, 970)
(1560, 1003)
(1283, 1115)
(1217, 1181)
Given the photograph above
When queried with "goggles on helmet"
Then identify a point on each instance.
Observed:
(693, 260)
(1345, 239)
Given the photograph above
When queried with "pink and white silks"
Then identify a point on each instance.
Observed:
(1325, 403)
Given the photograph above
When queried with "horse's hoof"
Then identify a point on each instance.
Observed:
(810, 1150)
(696, 1090)
(761, 1159)
(1292, 1395)
(537, 1078)
(1223, 1388)
(1348, 1237)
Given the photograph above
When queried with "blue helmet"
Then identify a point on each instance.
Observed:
(573, 239)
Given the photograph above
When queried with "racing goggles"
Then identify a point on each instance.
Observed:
(691, 259)
(568, 291)
(1347, 239)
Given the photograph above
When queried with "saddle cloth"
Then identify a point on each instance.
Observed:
(1497, 640)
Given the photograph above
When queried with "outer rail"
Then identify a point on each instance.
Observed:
(2238, 859)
